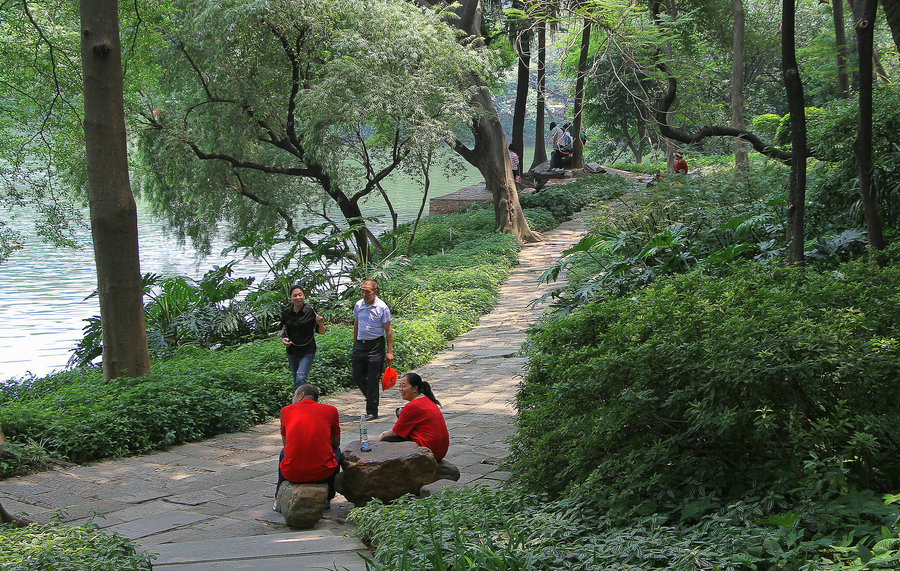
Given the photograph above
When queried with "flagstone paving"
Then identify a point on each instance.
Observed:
(209, 504)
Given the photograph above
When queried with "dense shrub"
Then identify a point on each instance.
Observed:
(701, 386)
(58, 547)
(540, 219)
(507, 528)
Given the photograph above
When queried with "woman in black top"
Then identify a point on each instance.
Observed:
(299, 325)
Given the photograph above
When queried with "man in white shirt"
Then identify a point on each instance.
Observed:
(556, 134)
(373, 344)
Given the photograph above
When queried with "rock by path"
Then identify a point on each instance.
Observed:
(190, 503)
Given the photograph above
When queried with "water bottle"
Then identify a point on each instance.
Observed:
(363, 434)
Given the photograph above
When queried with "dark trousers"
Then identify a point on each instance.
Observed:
(329, 480)
(367, 362)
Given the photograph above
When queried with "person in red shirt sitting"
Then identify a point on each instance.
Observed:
(420, 420)
(680, 164)
(311, 436)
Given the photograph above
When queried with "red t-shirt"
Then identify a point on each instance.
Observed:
(681, 166)
(422, 421)
(307, 427)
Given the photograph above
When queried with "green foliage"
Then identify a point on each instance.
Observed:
(18, 459)
(563, 200)
(58, 547)
(713, 386)
(814, 117)
(693, 161)
(540, 219)
(508, 528)
(197, 394)
(766, 126)
(306, 100)
(834, 188)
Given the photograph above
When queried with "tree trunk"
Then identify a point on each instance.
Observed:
(892, 13)
(6, 517)
(737, 84)
(796, 103)
(840, 39)
(540, 152)
(577, 145)
(523, 51)
(865, 25)
(489, 154)
(112, 207)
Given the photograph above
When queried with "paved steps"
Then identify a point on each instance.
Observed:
(275, 552)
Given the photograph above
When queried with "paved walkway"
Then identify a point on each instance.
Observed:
(209, 504)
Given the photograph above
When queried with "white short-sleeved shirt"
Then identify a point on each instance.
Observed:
(372, 319)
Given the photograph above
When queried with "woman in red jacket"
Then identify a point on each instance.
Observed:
(420, 420)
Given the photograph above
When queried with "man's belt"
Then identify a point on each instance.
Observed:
(367, 341)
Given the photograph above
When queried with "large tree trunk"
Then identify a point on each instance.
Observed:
(737, 84)
(6, 517)
(522, 39)
(840, 40)
(892, 13)
(113, 211)
(796, 103)
(865, 24)
(578, 146)
(540, 152)
(489, 154)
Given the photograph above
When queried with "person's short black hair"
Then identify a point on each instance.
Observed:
(552, 124)
(311, 391)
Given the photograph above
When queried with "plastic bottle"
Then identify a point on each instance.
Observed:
(363, 434)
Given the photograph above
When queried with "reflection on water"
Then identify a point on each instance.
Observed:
(43, 288)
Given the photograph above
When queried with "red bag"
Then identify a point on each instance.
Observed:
(389, 379)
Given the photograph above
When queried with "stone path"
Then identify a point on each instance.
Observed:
(209, 504)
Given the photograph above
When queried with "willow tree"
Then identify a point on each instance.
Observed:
(296, 104)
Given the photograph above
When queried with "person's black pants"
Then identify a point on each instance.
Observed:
(367, 363)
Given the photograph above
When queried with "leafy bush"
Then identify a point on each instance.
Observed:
(540, 219)
(766, 126)
(57, 547)
(19, 459)
(507, 528)
(694, 161)
(710, 386)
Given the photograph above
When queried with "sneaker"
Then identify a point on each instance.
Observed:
(275, 506)
(371, 417)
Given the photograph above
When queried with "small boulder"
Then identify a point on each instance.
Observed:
(447, 471)
(437, 487)
(388, 471)
(301, 504)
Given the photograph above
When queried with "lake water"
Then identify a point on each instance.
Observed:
(43, 288)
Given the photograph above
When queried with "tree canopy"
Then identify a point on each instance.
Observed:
(261, 110)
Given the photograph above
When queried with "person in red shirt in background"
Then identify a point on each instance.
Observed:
(420, 420)
(680, 164)
(311, 436)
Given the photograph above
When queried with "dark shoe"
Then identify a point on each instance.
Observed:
(371, 417)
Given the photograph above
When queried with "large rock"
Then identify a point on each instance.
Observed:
(301, 504)
(390, 470)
